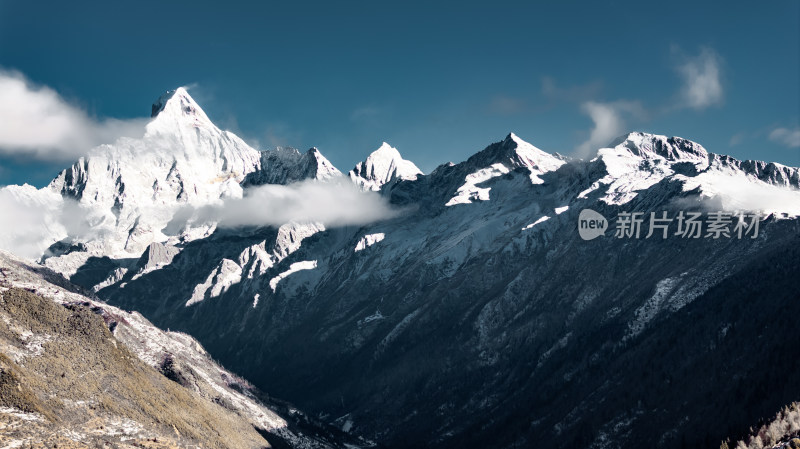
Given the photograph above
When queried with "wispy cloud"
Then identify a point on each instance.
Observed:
(609, 122)
(571, 94)
(506, 105)
(736, 139)
(336, 202)
(786, 137)
(35, 121)
(701, 74)
(365, 113)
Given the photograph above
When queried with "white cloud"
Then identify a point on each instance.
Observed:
(609, 122)
(736, 192)
(701, 76)
(334, 203)
(36, 121)
(786, 137)
(32, 220)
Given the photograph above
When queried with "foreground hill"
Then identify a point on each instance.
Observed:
(78, 373)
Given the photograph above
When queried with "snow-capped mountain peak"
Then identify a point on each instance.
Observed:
(653, 146)
(285, 165)
(513, 152)
(324, 167)
(177, 107)
(381, 167)
(531, 156)
(130, 188)
(637, 161)
(512, 137)
(497, 160)
(177, 102)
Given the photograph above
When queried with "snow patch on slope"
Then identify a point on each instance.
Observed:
(219, 281)
(470, 191)
(294, 268)
(368, 240)
(540, 220)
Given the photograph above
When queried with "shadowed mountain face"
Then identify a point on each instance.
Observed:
(516, 350)
(478, 316)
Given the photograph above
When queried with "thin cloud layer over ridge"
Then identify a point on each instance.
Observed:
(335, 202)
(35, 219)
(35, 121)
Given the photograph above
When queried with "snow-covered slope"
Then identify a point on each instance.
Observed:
(497, 160)
(638, 161)
(479, 298)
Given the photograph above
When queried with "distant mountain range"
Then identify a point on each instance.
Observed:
(473, 315)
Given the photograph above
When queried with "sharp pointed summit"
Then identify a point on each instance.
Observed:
(176, 108)
(285, 165)
(381, 167)
(513, 152)
(182, 158)
(176, 100)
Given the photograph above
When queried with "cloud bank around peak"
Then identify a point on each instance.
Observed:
(335, 202)
(36, 122)
(609, 122)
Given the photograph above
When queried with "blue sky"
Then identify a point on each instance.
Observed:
(437, 80)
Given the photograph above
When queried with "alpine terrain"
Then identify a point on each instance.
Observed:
(474, 314)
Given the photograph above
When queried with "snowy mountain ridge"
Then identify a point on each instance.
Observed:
(130, 190)
(477, 273)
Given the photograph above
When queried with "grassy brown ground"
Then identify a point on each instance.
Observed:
(63, 367)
